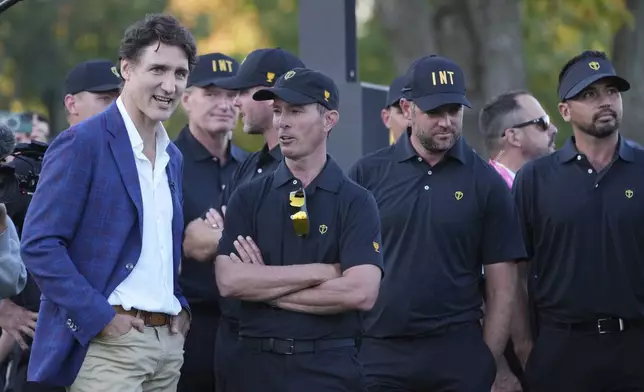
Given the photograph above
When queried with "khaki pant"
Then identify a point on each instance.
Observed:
(135, 362)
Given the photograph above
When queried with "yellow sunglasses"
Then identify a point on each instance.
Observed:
(297, 200)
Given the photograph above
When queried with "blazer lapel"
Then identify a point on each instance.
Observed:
(124, 156)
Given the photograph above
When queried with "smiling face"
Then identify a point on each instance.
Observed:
(155, 81)
(211, 109)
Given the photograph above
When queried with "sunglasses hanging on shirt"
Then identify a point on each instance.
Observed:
(300, 218)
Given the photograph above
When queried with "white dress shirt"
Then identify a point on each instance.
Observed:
(150, 285)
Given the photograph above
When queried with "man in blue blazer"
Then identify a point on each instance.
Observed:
(102, 236)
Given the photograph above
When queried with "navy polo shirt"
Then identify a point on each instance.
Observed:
(439, 225)
(344, 226)
(257, 164)
(204, 179)
(584, 233)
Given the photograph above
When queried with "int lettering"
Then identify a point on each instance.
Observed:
(222, 65)
(444, 77)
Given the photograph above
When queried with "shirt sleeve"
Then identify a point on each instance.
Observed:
(522, 192)
(238, 222)
(501, 240)
(13, 275)
(360, 241)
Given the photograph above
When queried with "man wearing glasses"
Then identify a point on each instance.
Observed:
(301, 249)
(445, 213)
(583, 224)
(516, 130)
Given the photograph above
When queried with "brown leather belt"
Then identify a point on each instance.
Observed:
(151, 319)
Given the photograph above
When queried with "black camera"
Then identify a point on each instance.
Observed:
(19, 178)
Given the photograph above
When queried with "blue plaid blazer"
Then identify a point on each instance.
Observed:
(83, 227)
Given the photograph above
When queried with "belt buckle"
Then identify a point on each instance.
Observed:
(291, 346)
(602, 331)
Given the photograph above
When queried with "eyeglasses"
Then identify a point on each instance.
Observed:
(543, 122)
(300, 218)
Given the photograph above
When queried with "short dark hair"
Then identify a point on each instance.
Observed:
(160, 28)
(583, 55)
(497, 115)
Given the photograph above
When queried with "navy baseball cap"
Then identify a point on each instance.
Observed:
(211, 69)
(395, 91)
(586, 72)
(302, 86)
(434, 81)
(262, 67)
(96, 76)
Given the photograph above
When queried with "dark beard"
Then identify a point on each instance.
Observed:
(602, 131)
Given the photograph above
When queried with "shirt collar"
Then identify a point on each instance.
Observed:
(404, 150)
(329, 179)
(162, 138)
(569, 150)
(197, 152)
(266, 155)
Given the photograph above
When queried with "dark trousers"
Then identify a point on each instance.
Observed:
(198, 370)
(567, 361)
(331, 370)
(457, 360)
(227, 340)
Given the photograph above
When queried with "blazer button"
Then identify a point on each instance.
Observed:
(69, 322)
(129, 266)
(74, 328)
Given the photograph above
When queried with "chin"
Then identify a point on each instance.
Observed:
(159, 115)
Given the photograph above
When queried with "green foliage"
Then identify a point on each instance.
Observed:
(556, 31)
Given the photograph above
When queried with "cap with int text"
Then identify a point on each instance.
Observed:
(211, 69)
(96, 76)
(302, 86)
(262, 67)
(586, 72)
(434, 81)
(395, 91)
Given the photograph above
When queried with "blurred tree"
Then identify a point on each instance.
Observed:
(42, 40)
(503, 44)
(628, 55)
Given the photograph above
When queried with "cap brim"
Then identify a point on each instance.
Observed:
(620, 83)
(236, 83)
(287, 95)
(104, 88)
(433, 101)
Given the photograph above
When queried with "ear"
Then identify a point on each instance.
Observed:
(185, 100)
(126, 69)
(331, 118)
(564, 110)
(384, 115)
(70, 104)
(513, 138)
(407, 108)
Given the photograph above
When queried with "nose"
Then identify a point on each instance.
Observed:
(169, 84)
(444, 120)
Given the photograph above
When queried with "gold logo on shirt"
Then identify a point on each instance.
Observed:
(629, 193)
(376, 247)
(458, 195)
(323, 229)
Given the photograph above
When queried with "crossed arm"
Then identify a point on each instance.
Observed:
(308, 288)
